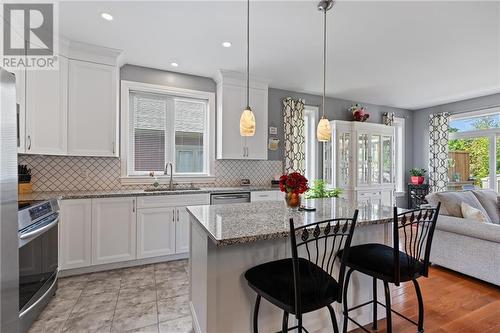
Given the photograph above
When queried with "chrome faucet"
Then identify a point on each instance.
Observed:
(170, 184)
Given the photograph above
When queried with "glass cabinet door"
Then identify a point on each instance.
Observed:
(362, 159)
(344, 155)
(387, 162)
(375, 159)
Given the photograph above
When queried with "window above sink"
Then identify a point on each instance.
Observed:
(164, 124)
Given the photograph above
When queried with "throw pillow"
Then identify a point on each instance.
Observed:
(451, 200)
(472, 213)
(488, 199)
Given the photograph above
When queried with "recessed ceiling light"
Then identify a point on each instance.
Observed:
(174, 64)
(107, 16)
(226, 44)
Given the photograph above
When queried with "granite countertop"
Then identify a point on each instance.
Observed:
(66, 195)
(250, 222)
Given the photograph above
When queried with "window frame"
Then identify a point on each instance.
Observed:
(311, 120)
(399, 142)
(492, 134)
(125, 143)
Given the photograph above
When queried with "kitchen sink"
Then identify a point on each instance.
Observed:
(166, 189)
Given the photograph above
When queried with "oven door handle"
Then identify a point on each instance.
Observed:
(34, 233)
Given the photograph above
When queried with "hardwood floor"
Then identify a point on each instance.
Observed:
(453, 303)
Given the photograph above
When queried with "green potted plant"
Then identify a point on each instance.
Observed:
(417, 175)
(319, 190)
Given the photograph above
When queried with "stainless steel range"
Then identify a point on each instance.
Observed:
(38, 258)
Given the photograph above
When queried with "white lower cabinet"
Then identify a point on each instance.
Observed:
(379, 197)
(75, 234)
(155, 232)
(182, 231)
(266, 196)
(113, 230)
(110, 230)
(169, 218)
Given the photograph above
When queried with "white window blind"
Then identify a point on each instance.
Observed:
(165, 128)
(190, 118)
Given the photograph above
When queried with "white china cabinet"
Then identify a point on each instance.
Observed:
(360, 160)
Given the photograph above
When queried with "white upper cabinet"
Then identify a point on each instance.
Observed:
(92, 113)
(72, 110)
(46, 110)
(21, 109)
(257, 144)
(229, 141)
(231, 100)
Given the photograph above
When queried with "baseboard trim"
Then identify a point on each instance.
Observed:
(123, 264)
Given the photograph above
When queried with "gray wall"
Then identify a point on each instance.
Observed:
(421, 123)
(335, 109)
(166, 78)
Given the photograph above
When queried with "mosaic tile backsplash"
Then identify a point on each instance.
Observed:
(69, 173)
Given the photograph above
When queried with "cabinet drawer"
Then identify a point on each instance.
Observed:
(264, 196)
(173, 200)
(365, 194)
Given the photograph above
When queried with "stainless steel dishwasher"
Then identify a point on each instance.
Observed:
(229, 198)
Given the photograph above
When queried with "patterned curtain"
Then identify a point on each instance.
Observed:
(293, 116)
(438, 151)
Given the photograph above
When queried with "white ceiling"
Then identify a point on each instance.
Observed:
(403, 54)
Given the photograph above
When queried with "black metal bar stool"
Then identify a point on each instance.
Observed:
(395, 265)
(300, 285)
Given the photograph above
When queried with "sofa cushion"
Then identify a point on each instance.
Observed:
(451, 201)
(486, 231)
(488, 199)
(472, 213)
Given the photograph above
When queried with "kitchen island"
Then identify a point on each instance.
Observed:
(226, 240)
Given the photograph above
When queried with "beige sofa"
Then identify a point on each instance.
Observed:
(464, 245)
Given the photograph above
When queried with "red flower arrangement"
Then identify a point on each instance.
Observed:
(293, 183)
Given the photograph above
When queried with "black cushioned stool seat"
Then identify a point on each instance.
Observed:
(274, 281)
(377, 260)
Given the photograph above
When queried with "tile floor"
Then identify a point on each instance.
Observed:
(150, 298)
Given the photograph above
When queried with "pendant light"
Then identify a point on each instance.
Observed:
(247, 120)
(323, 132)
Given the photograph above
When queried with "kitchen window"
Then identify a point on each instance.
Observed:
(399, 124)
(311, 143)
(162, 125)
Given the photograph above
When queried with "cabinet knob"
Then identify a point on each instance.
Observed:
(29, 142)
